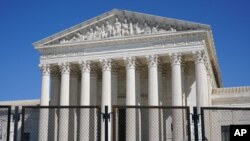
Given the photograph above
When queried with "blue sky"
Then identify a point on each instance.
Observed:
(23, 22)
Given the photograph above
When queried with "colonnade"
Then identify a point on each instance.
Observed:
(153, 94)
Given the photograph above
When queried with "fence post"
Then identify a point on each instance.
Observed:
(202, 126)
(106, 118)
(195, 118)
(16, 119)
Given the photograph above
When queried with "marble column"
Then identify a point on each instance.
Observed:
(73, 101)
(177, 133)
(201, 79)
(44, 101)
(54, 101)
(93, 101)
(138, 101)
(84, 134)
(130, 99)
(64, 101)
(161, 111)
(106, 93)
(153, 98)
(184, 117)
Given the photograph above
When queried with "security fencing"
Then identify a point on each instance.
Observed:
(216, 121)
(5, 115)
(123, 123)
(60, 123)
(151, 123)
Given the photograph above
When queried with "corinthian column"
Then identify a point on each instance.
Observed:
(130, 99)
(153, 98)
(201, 78)
(177, 133)
(84, 134)
(106, 92)
(44, 101)
(64, 101)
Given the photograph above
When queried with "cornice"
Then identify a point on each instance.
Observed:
(125, 40)
(211, 51)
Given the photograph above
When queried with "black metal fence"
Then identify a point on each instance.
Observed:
(216, 121)
(5, 115)
(64, 123)
(133, 123)
(151, 123)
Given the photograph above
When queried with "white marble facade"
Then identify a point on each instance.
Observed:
(130, 50)
(128, 58)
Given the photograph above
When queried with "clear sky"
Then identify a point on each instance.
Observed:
(23, 22)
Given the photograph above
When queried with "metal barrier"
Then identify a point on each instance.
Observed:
(5, 114)
(216, 121)
(151, 123)
(64, 123)
(126, 123)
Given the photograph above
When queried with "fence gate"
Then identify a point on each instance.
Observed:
(60, 123)
(5, 115)
(216, 121)
(151, 123)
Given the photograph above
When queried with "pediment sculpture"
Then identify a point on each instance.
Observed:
(116, 28)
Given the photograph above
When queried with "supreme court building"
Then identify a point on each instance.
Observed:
(130, 58)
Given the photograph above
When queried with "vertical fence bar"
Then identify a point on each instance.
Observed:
(114, 123)
(15, 116)
(99, 123)
(188, 123)
(106, 128)
(196, 121)
(8, 123)
(202, 125)
(22, 128)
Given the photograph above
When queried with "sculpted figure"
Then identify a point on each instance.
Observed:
(155, 29)
(90, 34)
(131, 30)
(117, 26)
(73, 39)
(109, 29)
(103, 34)
(172, 29)
(147, 29)
(138, 30)
(80, 36)
(125, 28)
(62, 41)
(97, 33)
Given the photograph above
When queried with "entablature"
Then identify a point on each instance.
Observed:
(185, 38)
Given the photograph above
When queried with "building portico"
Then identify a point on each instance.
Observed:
(128, 58)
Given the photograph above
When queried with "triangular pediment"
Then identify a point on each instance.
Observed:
(119, 24)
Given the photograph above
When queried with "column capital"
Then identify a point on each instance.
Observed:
(45, 69)
(84, 66)
(175, 58)
(199, 56)
(106, 64)
(64, 67)
(129, 62)
(152, 60)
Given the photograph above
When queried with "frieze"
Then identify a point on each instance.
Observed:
(118, 27)
(152, 45)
